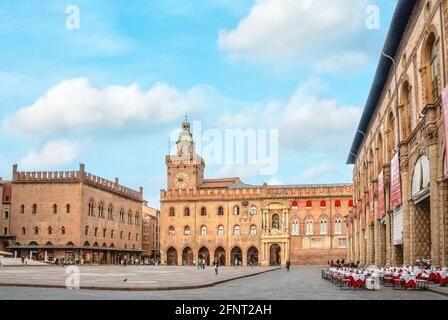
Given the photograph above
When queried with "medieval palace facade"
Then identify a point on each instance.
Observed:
(232, 222)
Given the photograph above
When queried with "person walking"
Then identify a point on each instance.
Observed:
(288, 264)
(216, 267)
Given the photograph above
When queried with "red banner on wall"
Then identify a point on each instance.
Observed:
(381, 196)
(445, 120)
(371, 206)
(395, 182)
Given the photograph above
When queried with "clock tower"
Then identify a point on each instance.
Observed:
(185, 169)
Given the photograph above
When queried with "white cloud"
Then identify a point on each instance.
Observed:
(275, 29)
(344, 62)
(312, 172)
(312, 122)
(307, 121)
(75, 104)
(238, 170)
(51, 154)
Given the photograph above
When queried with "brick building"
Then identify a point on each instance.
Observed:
(228, 220)
(76, 215)
(399, 155)
(150, 232)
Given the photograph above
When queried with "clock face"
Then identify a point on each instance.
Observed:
(181, 180)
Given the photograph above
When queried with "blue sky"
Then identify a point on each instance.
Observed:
(110, 93)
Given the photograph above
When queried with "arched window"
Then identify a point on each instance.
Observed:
(309, 227)
(187, 231)
(136, 238)
(34, 209)
(50, 230)
(295, 227)
(137, 218)
(86, 230)
(253, 229)
(172, 213)
(22, 209)
(36, 230)
(203, 231)
(67, 208)
(203, 211)
(236, 210)
(129, 217)
(337, 226)
(122, 215)
(253, 210)
(121, 234)
(323, 226)
(101, 210)
(237, 230)
(186, 211)
(220, 211)
(221, 230)
(55, 208)
(62, 230)
(104, 233)
(434, 71)
(171, 231)
(24, 230)
(90, 209)
(112, 234)
(275, 221)
(110, 212)
(96, 232)
(129, 236)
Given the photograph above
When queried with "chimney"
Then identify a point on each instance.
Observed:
(141, 193)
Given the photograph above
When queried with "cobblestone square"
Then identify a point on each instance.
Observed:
(301, 283)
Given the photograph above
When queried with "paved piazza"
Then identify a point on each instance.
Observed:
(300, 283)
(137, 277)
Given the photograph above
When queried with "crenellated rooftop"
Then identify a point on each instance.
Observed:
(265, 191)
(76, 176)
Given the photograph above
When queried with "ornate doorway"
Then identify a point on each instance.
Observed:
(274, 255)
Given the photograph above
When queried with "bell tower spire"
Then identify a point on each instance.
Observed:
(185, 168)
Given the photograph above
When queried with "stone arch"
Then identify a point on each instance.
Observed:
(187, 255)
(236, 255)
(204, 253)
(391, 139)
(406, 113)
(171, 256)
(379, 153)
(220, 255)
(430, 46)
(252, 255)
